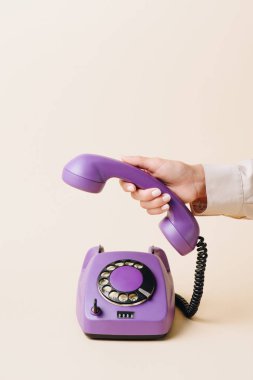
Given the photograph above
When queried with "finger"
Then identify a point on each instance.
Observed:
(155, 211)
(156, 203)
(146, 195)
(141, 162)
(127, 186)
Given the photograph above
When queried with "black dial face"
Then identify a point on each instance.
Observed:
(121, 285)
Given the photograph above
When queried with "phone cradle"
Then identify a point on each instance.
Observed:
(125, 294)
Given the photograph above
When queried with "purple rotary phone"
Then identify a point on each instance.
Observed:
(128, 294)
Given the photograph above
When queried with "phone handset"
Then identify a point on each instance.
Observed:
(89, 172)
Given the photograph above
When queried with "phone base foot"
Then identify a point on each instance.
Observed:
(125, 337)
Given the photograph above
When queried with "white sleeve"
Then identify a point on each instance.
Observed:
(229, 190)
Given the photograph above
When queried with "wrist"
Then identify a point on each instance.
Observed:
(199, 204)
(199, 181)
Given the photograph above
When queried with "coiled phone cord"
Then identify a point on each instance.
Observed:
(189, 309)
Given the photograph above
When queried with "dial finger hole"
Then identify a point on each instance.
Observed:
(107, 288)
(104, 281)
(114, 295)
(138, 266)
(123, 297)
(105, 274)
(119, 264)
(130, 263)
(133, 297)
(111, 267)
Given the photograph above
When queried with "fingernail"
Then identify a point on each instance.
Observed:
(165, 207)
(166, 197)
(130, 188)
(156, 192)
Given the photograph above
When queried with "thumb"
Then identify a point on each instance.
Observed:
(142, 162)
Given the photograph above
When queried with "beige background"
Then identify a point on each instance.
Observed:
(158, 78)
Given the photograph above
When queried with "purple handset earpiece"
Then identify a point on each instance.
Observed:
(89, 172)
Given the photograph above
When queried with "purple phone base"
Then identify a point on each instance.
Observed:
(89, 172)
(133, 294)
(128, 294)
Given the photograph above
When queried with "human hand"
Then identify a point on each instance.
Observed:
(186, 181)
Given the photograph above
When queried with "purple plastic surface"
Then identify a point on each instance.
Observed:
(126, 279)
(153, 317)
(89, 172)
(161, 254)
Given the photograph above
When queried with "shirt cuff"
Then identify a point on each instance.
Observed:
(224, 191)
